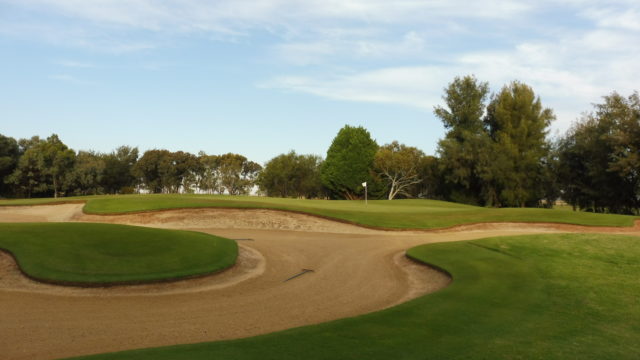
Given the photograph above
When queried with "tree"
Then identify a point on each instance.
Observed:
(237, 174)
(184, 167)
(118, 166)
(9, 156)
(349, 162)
(431, 184)
(517, 124)
(43, 165)
(398, 165)
(600, 157)
(465, 98)
(27, 178)
(463, 150)
(86, 176)
(291, 175)
(154, 170)
(209, 178)
(57, 160)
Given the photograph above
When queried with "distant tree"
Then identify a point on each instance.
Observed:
(118, 170)
(237, 174)
(185, 167)
(430, 185)
(349, 162)
(86, 176)
(209, 177)
(9, 156)
(154, 169)
(599, 158)
(517, 124)
(398, 166)
(26, 178)
(291, 175)
(463, 151)
(43, 165)
(57, 160)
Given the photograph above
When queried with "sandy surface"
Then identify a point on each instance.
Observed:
(356, 271)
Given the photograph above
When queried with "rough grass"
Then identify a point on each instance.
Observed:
(105, 253)
(528, 297)
(397, 214)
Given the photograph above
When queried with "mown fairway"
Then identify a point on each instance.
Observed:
(530, 297)
(398, 214)
(103, 253)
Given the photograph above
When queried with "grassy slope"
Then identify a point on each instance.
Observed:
(104, 253)
(533, 297)
(423, 214)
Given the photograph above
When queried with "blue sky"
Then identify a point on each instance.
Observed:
(261, 77)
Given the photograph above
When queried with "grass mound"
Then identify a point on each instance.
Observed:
(528, 297)
(396, 214)
(96, 254)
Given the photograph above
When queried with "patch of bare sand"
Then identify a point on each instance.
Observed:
(231, 219)
(40, 213)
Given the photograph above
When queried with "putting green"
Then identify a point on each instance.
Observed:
(530, 297)
(98, 254)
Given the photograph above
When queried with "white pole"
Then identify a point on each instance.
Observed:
(365, 192)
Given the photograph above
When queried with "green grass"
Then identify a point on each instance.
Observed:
(104, 253)
(529, 297)
(398, 214)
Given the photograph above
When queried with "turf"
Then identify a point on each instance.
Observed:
(85, 253)
(398, 214)
(528, 297)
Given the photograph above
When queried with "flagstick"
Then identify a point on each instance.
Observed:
(365, 192)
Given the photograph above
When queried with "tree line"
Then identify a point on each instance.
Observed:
(496, 152)
(47, 167)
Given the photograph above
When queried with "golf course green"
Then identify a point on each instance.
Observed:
(566, 296)
(99, 254)
(397, 214)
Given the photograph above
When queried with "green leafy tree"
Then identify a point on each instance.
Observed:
(9, 156)
(600, 157)
(237, 174)
(154, 170)
(209, 177)
(349, 162)
(517, 124)
(86, 176)
(118, 175)
(291, 175)
(27, 178)
(184, 169)
(43, 166)
(57, 160)
(430, 185)
(398, 166)
(463, 151)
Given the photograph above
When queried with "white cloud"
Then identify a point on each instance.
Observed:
(214, 15)
(568, 74)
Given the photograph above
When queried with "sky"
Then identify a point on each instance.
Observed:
(262, 77)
